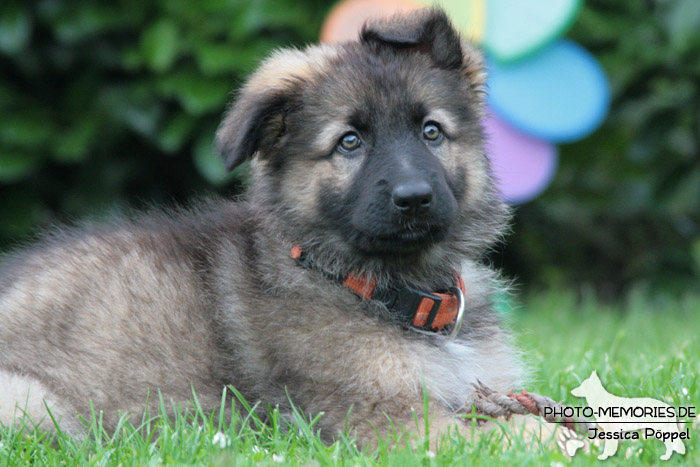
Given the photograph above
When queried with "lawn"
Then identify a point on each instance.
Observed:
(640, 348)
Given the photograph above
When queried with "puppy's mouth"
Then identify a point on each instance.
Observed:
(406, 240)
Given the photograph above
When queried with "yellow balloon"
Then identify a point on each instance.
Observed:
(468, 16)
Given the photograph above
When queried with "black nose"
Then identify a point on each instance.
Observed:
(412, 197)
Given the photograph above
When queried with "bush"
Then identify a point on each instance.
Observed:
(108, 104)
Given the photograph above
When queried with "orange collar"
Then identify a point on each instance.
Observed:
(426, 311)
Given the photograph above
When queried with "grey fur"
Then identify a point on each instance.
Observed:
(209, 296)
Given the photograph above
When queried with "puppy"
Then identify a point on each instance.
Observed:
(349, 277)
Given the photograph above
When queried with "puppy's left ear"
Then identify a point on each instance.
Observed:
(255, 121)
(429, 31)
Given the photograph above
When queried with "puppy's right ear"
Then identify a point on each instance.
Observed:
(247, 123)
(254, 122)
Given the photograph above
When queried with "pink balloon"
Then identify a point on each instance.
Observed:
(346, 19)
(523, 166)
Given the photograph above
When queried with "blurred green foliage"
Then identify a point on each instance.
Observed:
(111, 104)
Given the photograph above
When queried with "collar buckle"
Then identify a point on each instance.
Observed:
(454, 330)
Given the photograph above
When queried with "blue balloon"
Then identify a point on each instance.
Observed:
(559, 95)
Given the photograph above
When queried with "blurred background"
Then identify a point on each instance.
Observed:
(106, 106)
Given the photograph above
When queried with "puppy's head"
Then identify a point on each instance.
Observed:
(372, 149)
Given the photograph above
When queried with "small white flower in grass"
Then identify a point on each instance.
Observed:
(278, 458)
(221, 440)
(430, 454)
(684, 391)
(256, 449)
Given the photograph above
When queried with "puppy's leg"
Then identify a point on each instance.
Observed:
(367, 418)
(410, 423)
(25, 397)
(402, 420)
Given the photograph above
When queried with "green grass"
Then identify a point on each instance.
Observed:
(644, 347)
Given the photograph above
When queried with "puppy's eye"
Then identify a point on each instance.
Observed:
(432, 131)
(349, 142)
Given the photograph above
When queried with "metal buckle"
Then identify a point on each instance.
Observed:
(452, 333)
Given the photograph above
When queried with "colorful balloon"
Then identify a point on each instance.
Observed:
(469, 16)
(516, 29)
(347, 18)
(523, 166)
(560, 94)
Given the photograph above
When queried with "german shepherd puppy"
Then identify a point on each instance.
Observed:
(339, 282)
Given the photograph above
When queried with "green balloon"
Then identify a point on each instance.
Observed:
(518, 28)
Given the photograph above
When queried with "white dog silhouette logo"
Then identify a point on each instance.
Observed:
(622, 417)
